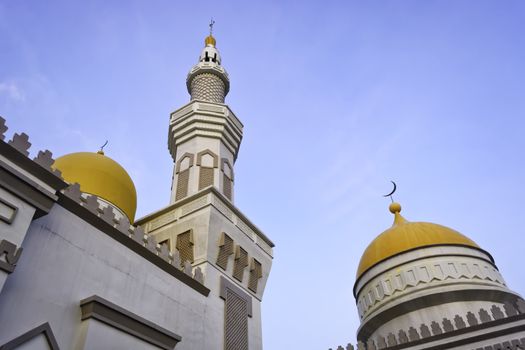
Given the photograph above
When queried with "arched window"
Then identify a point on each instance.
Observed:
(207, 161)
(182, 170)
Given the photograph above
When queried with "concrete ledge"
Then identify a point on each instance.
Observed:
(126, 321)
(25, 189)
(217, 193)
(44, 329)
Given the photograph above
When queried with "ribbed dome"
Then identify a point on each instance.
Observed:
(404, 236)
(101, 176)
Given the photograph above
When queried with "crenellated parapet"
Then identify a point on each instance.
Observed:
(476, 329)
(38, 176)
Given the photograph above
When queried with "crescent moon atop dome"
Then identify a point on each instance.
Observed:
(394, 190)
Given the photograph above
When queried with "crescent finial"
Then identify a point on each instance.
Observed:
(391, 193)
(104, 145)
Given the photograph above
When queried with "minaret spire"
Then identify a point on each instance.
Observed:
(205, 135)
(207, 80)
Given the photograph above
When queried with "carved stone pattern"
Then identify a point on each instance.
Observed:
(182, 184)
(381, 342)
(510, 310)
(245, 228)
(196, 204)
(3, 128)
(175, 259)
(44, 159)
(207, 87)
(210, 108)
(11, 255)
(448, 327)
(205, 177)
(264, 246)
(151, 244)
(225, 250)
(21, 143)
(123, 225)
(424, 331)
(223, 209)
(235, 322)
(227, 186)
(73, 192)
(198, 275)
(514, 344)
(496, 312)
(183, 112)
(459, 322)
(185, 247)
(405, 278)
(162, 220)
(241, 261)
(255, 275)
(187, 268)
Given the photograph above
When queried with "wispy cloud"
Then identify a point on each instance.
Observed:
(12, 92)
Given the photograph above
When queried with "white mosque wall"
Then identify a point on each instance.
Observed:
(66, 260)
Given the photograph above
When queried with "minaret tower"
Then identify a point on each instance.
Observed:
(208, 236)
(204, 135)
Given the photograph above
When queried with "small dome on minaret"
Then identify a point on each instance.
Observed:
(208, 81)
(210, 40)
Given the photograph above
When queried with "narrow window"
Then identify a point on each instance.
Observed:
(182, 184)
(185, 247)
(241, 261)
(255, 275)
(225, 250)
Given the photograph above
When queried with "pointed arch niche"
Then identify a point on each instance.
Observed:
(207, 161)
(182, 171)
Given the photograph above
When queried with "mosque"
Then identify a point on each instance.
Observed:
(79, 271)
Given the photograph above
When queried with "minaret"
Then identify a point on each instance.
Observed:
(207, 235)
(204, 135)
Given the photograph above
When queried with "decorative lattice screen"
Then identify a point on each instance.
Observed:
(225, 250)
(227, 186)
(236, 322)
(205, 177)
(182, 184)
(241, 261)
(185, 247)
(255, 275)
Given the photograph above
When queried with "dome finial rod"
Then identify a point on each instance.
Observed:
(102, 147)
(212, 22)
(391, 193)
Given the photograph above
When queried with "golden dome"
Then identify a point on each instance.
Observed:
(404, 236)
(101, 176)
(210, 40)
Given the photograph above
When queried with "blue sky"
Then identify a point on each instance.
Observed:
(337, 98)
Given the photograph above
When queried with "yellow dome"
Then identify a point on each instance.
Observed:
(210, 40)
(404, 236)
(101, 176)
